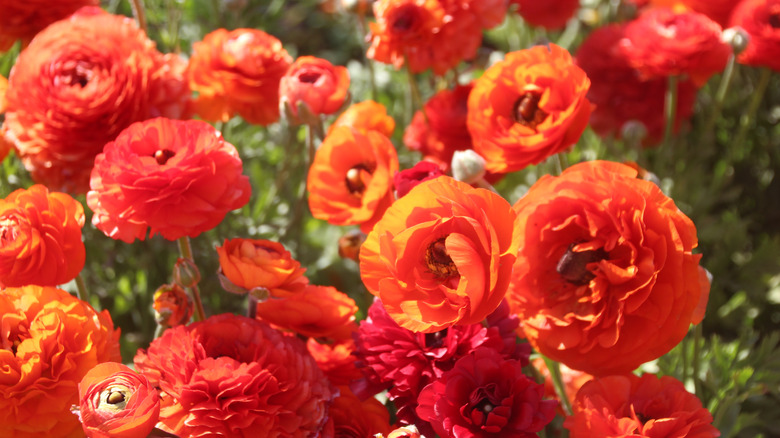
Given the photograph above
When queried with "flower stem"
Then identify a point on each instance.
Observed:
(138, 13)
(697, 335)
(251, 306)
(185, 249)
(747, 118)
(670, 108)
(557, 380)
(415, 99)
(81, 289)
(720, 95)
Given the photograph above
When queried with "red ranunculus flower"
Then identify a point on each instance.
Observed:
(234, 376)
(21, 20)
(315, 83)
(549, 14)
(174, 178)
(761, 20)
(335, 359)
(485, 395)
(662, 43)
(78, 85)
(605, 278)
(40, 238)
(718, 10)
(350, 417)
(117, 402)
(172, 306)
(408, 178)
(624, 406)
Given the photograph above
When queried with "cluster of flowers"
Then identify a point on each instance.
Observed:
(594, 267)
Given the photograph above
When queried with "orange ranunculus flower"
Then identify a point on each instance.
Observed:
(172, 177)
(662, 43)
(117, 402)
(315, 83)
(40, 238)
(366, 116)
(441, 255)
(317, 311)
(638, 406)
(605, 279)
(172, 306)
(549, 14)
(50, 340)
(761, 20)
(351, 179)
(336, 360)
(528, 107)
(257, 263)
(238, 71)
(21, 20)
(79, 83)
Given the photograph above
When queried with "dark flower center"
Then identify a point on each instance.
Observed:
(438, 261)
(163, 155)
(435, 340)
(527, 111)
(774, 18)
(573, 266)
(76, 73)
(115, 397)
(643, 418)
(355, 179)
(403, 21)
(9, 230)
(309, 77)
(481, 403)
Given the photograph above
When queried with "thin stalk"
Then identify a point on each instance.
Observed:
(747, 118)
(158, 331)
(557, 380)
(670, 108)
(251, 306)
(81, 289)
(697, 335)
(685, 370)
(138, 13)
(185, 249)
(362, 29)
(720, 95)
(414, 91)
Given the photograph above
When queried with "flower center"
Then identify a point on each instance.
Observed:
(309, 77)
(438, 261)
(114, 398)
(76, 73)
(163, 155)
(774, 17)
(573, 266)
(435, 340)
(9, 230)
(356, 179)
(482, 401)
(527, 111)
(403, 20)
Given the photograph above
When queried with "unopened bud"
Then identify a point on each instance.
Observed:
(349, 244)
(468, 166)
(185, 273)
(737, 38)
(633, 132)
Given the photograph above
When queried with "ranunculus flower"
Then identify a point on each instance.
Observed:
(761, 20)
(117, 402)
(549, 14)
(441, 255)
(630, 406)
(350, 417)
(22, 20)
(78, 85)
(718, 10)
(350, 181)
(335, 359)
(40, 238)
(620, 95)
(316, 84)
(366, 116)
(528, 107)
(485, 395)
(605, 278)
(174, 178)
(234, 376)
(406, 179)
(172, 306)
(50, 340)
(258, 263)
(316, 311)
(662, 43)
(238, 72)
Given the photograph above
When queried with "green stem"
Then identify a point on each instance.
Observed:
(158, 331)
(557, 380)
(362, 31)
(684, 351)
(185, 249)
(670, 108)
(138, 13)
(720, 95)
(414, 91)
(747, 118)
(81, 289)
(697, 335)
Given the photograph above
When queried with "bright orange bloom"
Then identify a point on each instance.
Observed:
(50, 340)
(528, 107)
(316, 83)
(21, 20)
(335, 360)
(605, 279)
(238, 71)
(366, 116)
(761, 20)
(40, 238)
(317, 312)
(549, 14)
(117, 402)
(351, 179)
(259, 263)
(441, 255)
(172, 306)
(352, 417)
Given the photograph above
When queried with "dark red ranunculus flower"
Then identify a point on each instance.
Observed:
(408, 178)
(485, 395)
(549, 14)
(761, 20)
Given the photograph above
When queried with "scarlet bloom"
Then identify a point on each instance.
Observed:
(336, 360)
(629, 405)
(172, 306)
(257, 263)
(662, 43)
(234, 376)
(117, 402)
(50, 340)
(40, 238)
(78, 85)
(620, 95)
(761, 20)
(316, 311)
(174, 178)
(485, 395)
(351, 178)
(22, 20)
(351, 417)
(405, 180)
(238, 72)
(605, 279)
(528, 107)
(366, 116)
(550, 14)
(719, 11)
(441, 255)
(315, 83)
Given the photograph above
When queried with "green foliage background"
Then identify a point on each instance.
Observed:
(730, 189)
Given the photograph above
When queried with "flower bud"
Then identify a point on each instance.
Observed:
(349, 244)
(172, 306)
(468, 166)
(185, 273)
(633, 132)
(737, 38)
